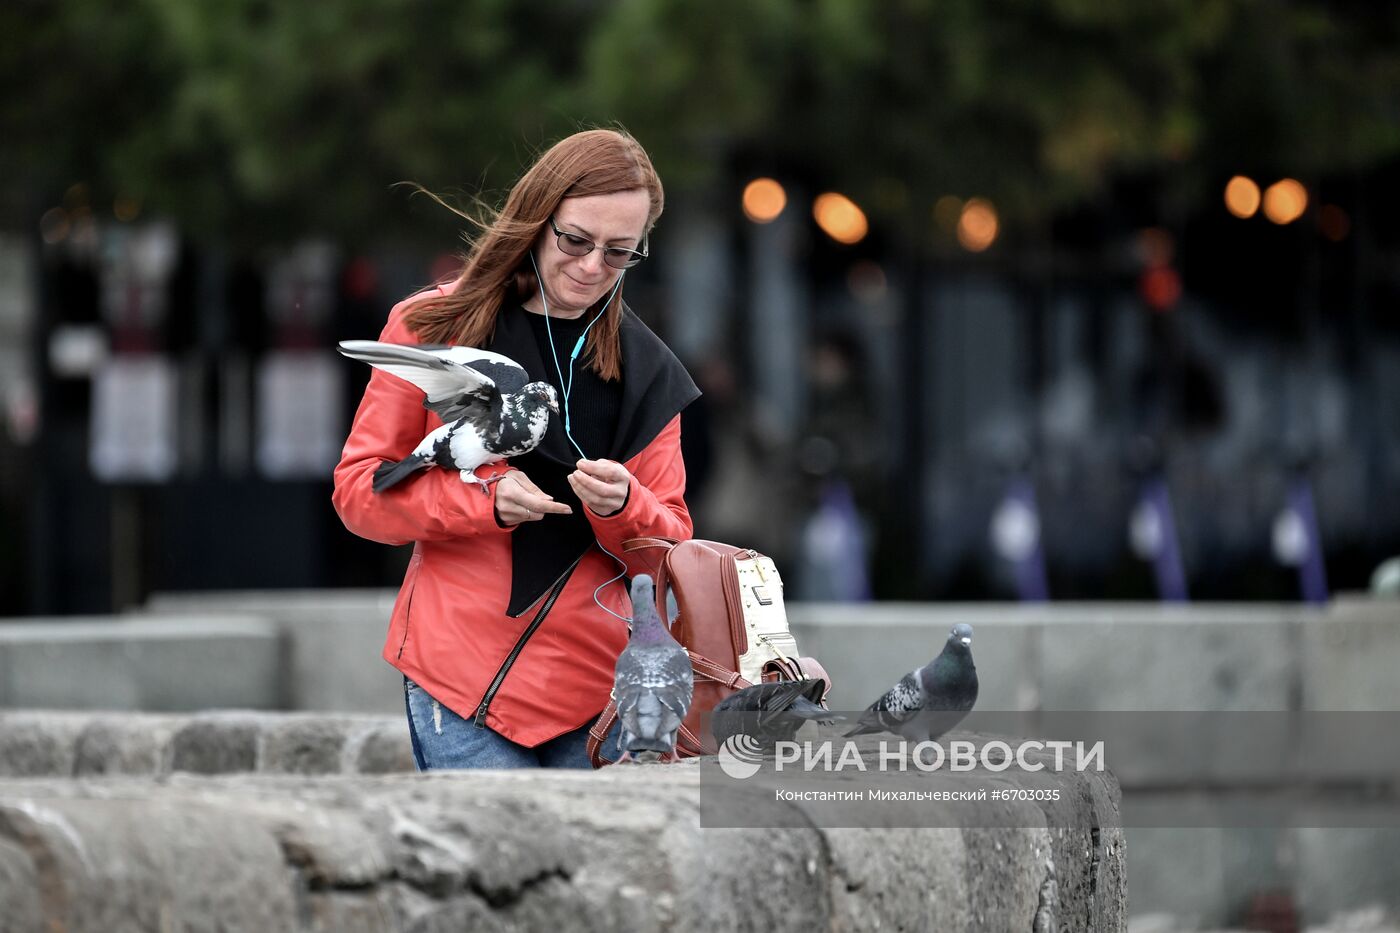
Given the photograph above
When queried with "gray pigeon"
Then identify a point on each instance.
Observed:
(490, 411)
(653, 683)
(931, 700)
(770, 712)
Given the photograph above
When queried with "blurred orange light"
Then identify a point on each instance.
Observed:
(1242, 196)
(1334, 222)
(1285, 201)
(764, 200)
(978, 226)
(840, 218)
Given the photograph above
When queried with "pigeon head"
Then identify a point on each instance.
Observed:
(543, 392)
(960, 638)
(644, 617)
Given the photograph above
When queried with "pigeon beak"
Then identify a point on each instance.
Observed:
(966, 641)
(553, 404)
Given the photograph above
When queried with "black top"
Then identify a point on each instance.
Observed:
(593, 403)
(654, 389)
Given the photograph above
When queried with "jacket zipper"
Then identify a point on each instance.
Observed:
(535, 623)
(408, 609)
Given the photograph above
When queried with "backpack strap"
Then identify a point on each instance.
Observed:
(713, 670)
(637, 544)
(686, 743)
(798, 669)
(598, 732)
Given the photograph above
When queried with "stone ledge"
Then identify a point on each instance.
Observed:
(67, 744)
(620, 849)
(203, 661)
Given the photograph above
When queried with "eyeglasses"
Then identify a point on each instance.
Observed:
(615, 256)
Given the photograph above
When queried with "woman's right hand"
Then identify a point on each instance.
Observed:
(518, 500)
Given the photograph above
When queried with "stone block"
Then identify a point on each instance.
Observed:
(334, 640)
(301, 744)
(125, 744)
(142, 864)
(38, 743)
(867, 647)
(132, 664)
(1350, 656)
(217, 743)
(316, 743)
(1171, 658)
(382, 749)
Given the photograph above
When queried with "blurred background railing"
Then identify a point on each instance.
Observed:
(992, 301)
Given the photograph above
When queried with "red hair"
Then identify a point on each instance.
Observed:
(496, 266)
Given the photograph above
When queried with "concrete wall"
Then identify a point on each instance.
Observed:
(206, 660)
(331, 642)
(1072, 657)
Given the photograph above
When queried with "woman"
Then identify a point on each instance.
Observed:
(509, 620)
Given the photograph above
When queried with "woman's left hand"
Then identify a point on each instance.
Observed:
(602, 485)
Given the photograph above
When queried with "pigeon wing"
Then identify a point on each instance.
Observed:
(653, 682)
(680, 679)
(456, 380)
(898, 705)
(777, 703)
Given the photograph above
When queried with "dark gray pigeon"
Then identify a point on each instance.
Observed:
(653, 682)
(931, 700)
(770, 712)
(490, 411)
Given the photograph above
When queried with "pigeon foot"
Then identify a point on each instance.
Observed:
(484, 485)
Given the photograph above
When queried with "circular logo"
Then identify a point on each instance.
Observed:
(739, 756)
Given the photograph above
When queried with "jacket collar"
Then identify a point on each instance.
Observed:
(655, 388)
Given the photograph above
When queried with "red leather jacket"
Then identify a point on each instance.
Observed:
(449, 630)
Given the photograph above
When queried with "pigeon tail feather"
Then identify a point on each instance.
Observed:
(390, 474)
(804, 708)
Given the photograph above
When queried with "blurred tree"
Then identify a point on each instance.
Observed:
(257, 120)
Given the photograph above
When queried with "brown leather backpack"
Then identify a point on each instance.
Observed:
(732, 623)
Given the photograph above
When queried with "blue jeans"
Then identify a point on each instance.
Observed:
(442, 739)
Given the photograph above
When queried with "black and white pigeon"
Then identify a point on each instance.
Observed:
(931, 700)
(770, 712)
(653, 682)
(489, 408)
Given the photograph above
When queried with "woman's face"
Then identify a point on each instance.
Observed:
(574, 283)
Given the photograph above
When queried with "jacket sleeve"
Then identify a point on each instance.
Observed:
(655, 505)
(434, 504)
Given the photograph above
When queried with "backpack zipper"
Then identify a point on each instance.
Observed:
(735, 602)
(480, 718)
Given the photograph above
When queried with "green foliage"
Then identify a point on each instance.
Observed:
(254, 120)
